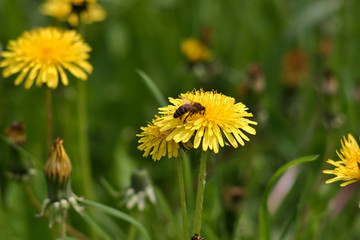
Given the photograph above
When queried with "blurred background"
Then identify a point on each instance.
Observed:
(293, 63)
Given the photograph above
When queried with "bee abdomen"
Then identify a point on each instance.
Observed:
(180, 111)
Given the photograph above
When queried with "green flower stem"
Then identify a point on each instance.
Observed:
(83, 142)
(182, 197)
(58, 230)
(72, 231)
(200, 194)
(62, 228)
(132, 228)
(49, 119)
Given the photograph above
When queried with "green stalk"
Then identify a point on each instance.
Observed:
(83, 142)
(72, 231)
(132, 228)
(200, 194)
(49, 119)
(182, 197)
(63, 228)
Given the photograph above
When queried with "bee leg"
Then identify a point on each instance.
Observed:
(187, 116)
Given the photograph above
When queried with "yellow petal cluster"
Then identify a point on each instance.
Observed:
(153, 142)
(347, 168)
(74, 11)
(43, 54)
(195, 51)
(223, 120)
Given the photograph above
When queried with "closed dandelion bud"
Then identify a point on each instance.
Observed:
(326, 46)
(329, 83)
(332, 117)
(140, 188)
(256, 78)
(233, 197)
(19, 165)
(57, 171)
(60, 196)
(16, 133)
(295, 68)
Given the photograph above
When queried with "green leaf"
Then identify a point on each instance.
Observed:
(118, 214)
(264, 224)
(153, 88)
(94, 226)
(312, 15)
(22, 151)
(67, 238)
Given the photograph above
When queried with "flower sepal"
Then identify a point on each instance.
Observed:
(58, 209)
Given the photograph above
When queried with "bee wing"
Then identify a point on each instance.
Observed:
(185, 99)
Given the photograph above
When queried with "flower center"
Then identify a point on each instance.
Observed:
(79, 7)
(47, 51)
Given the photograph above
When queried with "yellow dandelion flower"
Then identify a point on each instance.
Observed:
(153, 142)
(347, 169)
(44, 54)
(74, 11)
(195, 51)
(222, 116)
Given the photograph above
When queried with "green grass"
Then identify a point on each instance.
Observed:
(138, 65)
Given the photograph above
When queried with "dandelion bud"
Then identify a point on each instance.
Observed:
(60, 196)
(329, 84)
(140, 188)
(295, 67)
(233, 197)
(256, 79)
(19, 165)
(356, 93)
(16, 133)
(326, 46)
(58, 166)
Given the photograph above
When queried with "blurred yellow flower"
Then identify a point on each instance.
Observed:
(153, 142)
(222, 116)
(44, 54)
(347, 169)
(195, 51)
(74, 11)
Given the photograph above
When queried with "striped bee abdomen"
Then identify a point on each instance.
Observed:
(186, 107)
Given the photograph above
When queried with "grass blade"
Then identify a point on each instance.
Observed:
(25, 153)
(118, 214)
(153, 88)
(94, 226)
(264, 213)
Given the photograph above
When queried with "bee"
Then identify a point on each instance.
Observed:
(189, 107)
(197, 237)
